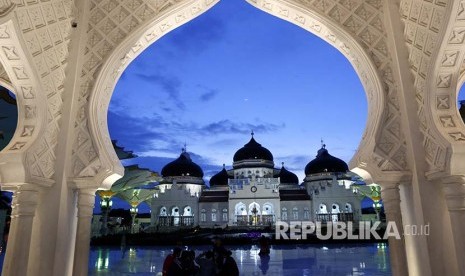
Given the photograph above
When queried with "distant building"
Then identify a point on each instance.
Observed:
(253, 193)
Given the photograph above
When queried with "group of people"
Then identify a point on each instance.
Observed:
(215, 262)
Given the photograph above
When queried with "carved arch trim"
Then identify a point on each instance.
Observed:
(443, 88)
(32, 106)
(112, 68)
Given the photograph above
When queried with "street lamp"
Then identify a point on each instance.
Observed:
(106, 203)
(133, 212)
(377, 206)
(105, 206)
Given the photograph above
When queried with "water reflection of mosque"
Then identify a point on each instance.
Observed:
(364, 259)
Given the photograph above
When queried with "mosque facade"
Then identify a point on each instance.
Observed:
(254, 193)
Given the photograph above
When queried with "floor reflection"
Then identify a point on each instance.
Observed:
(366, 259)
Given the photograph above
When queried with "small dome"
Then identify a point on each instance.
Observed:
(325, 162)
(220, 179)
(252, 150)
(183, 166)
(287, 177)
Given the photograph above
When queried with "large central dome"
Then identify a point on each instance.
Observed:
(253, 155)
(183, 166)
(325, 162)
(252, 150)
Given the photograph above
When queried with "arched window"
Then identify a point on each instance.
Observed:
(306, 213)
(322, 209)
(225, 214)
(175, 212)
(268, 209)
(295, 213)
(284, 213)
(335, 210)
(187, 211)
(348, 208)
(163, 212)
(213, 214)
(203, 215)
(254, 208)
(240, 209)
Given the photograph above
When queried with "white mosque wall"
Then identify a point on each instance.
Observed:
(243, 188)
(213, 214)
(175, 197)
(293, 210)
(333, 194)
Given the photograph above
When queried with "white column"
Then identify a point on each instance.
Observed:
(454, 193)
(86, 199)
(23, 206)
(391, 200)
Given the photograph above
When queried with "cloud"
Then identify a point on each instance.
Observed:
(196, 36)
(161, 135)
(136, 133)
(169, 84)
(207, 96)
(224, 142)
(227, 126)
(293, 162)
(154, 163)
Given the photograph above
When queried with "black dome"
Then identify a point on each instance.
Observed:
(287, 177)
(220, 179)
(252, 150)
(183, 166)
(325, 162)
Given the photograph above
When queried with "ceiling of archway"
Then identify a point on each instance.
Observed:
(4, 76)
(424, 23)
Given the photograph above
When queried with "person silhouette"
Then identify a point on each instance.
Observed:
(264, 246)
(229, 267)
(264, 263)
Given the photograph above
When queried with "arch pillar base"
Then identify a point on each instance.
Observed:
(86, 201)
(391, 199)
(24, 205)
(454, 193)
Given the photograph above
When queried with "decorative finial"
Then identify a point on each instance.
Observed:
(252, 133)
(224, 166)
(282, 164)
(184, 149)
(323, 145)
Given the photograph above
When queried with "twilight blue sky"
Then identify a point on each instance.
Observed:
(231, 70)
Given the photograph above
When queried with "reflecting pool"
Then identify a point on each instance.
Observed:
(365, 259)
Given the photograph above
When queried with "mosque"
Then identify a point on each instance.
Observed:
(254, 193)
(62, 60)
